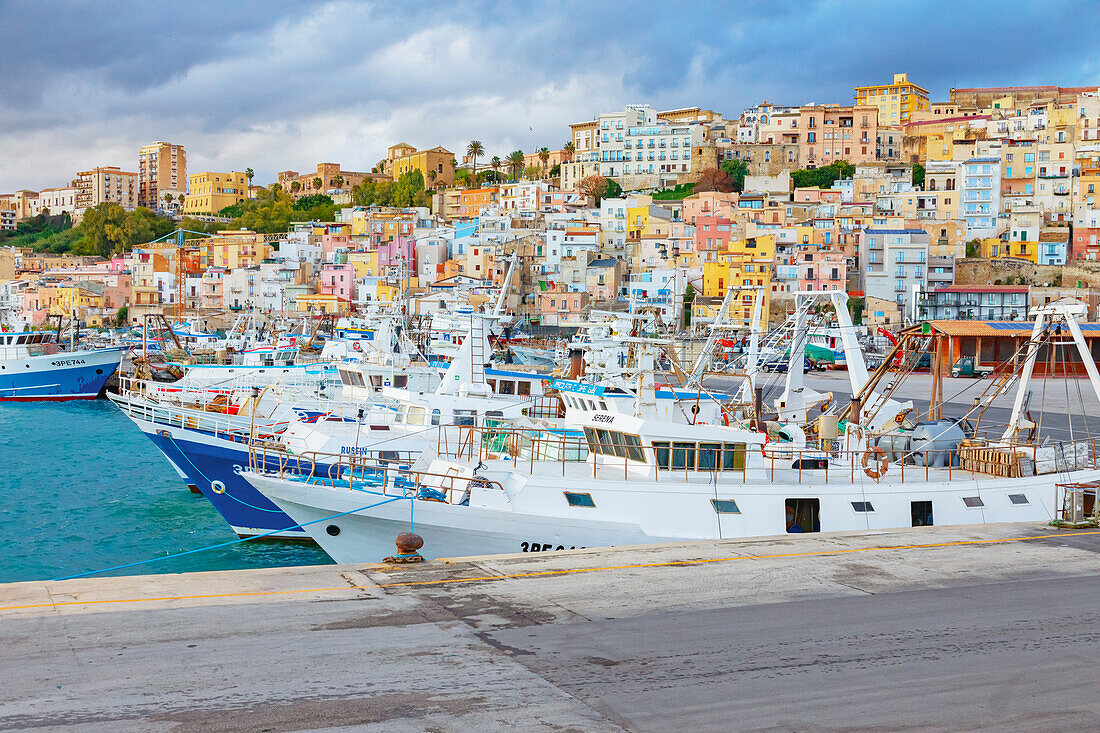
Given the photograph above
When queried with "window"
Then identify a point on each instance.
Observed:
(973, 502)
(1018, 498)
(862, 506)
(583, 500)
(725, 506)
(465, 417)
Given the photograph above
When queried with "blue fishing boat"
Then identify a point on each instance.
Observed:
(34, 367)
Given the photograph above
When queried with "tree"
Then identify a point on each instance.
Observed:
(737, 170)
(317, 182)
(305, 203)
(532, 172)
(168, 199)
(823, 177)
(569, 148)
(594, 186)
(495, 164)
(544, 157)
(713, 179)
(250, 174)
(515, 164)
(180, 200)
(556, 170)
(339, 181)
(122, 317)
(689, 298)
(918, 175)
(475, 149)
(295, 186)
(431, 177)
(855, 309)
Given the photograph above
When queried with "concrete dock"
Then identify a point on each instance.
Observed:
(957, 628)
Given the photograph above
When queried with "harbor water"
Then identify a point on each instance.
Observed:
(85, 490)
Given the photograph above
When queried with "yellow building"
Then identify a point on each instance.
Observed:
(210, 192)
(995, 249)
(78, 297)
(233, 248)
(748, 264)
(435, 164)
(895, 102)
(321, 303)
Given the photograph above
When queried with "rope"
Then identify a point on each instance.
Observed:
(224, 493)
(231, 542)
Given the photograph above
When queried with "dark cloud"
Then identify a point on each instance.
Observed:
(275, 85)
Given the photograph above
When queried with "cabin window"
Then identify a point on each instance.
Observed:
(862, 506)
(683, 456)
(603, 406)
(634, 448)
(435, 417)
(465, 417)
(973, 502)
(401, 381)
(733, 457)
(376, 380)
(1018, 498)
(660, 453)
(613, 443)
(523, 388)
(492, 384)
(416, 416)
(725, 506)
(575, 499)
(359, 379)
(708, 456)
(506, 386)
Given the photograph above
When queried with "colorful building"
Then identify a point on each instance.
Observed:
(210, 192)
(895, 101)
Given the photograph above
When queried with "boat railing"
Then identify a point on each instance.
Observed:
(385, 473)
(663, 460)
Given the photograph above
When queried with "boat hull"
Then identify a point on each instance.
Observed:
(75, 375)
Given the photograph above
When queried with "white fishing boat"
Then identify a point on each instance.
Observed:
(636, 479)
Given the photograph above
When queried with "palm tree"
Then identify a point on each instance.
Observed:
(495, 164)
(474, 149)
(295, 186)
(168, 199)
(180, 199)
(544, 157)
(570, 148)
(515, 162)
(339, 181)
(317, 182)
(431, 177)
(250, 174)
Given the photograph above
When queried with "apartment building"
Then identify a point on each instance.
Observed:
(106, 184)
(980, 188)
(894, 263)
(162, 170)
(967, 302)
(896, 102)
(58, 200)
(829, 133)
(209, 192)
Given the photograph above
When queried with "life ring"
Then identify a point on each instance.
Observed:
(878, 460)
(355, 345)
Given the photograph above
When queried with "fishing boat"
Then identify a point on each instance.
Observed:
(636, 479)
(35, 366)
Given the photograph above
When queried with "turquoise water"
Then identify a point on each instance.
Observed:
(85, 490)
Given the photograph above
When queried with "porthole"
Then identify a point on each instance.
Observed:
(98, 371)
(332, 530)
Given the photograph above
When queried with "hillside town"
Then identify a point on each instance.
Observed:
(980, 207)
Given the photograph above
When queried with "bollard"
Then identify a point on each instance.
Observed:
(407, 545)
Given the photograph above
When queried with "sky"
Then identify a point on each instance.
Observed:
(278, 85)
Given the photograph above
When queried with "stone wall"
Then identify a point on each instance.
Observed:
(976, 272)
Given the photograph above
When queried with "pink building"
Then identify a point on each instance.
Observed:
(337, 280)
(709, 203)
(334, 237)
(390, 252)
(820, 269)
(712, 235)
